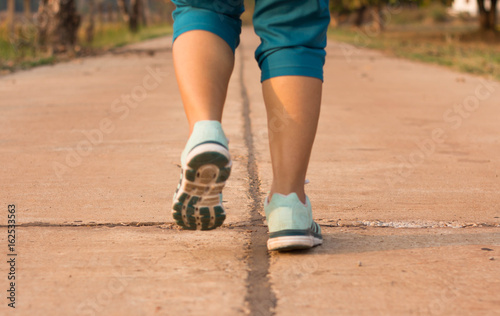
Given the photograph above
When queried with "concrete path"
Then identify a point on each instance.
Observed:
(404, 181)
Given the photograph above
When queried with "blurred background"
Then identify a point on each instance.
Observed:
(461, 34)
(35, 32)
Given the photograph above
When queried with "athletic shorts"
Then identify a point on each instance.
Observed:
(292, 32)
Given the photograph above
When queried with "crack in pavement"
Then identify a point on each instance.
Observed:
(260, 296)
(93, 224)
(163, 225)
(258, 223)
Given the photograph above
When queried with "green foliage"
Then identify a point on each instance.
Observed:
(118, 34)
(438, 13)
(17, 45)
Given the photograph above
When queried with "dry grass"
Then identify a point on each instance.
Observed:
(460, 48)
(117, 34)
(19, 50)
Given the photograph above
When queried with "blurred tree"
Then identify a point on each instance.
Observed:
(378, 19)
(109, 11)
(100, 13)
(27, 9)
(145, 13)
(44, 20)
(124, 11)
(360, 8)
(67, 23)
(11, 9)
(89, 30)
(337, 9)
(135, 15)
(360, 15)
(58, 24)
(487, 18)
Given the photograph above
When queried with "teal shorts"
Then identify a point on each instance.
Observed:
(292, 32)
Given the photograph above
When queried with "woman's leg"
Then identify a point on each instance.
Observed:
(203, 65)
(293, 106)
(291, 57)
(205, 37)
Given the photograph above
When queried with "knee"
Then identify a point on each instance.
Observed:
(219, 17)
(292, 43)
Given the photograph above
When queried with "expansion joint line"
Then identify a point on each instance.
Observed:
(260, 298)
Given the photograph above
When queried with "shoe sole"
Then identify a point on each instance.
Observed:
(287, 243)
(197, 203)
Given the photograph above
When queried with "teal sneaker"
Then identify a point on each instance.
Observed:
(290, 223)
(206, 165)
